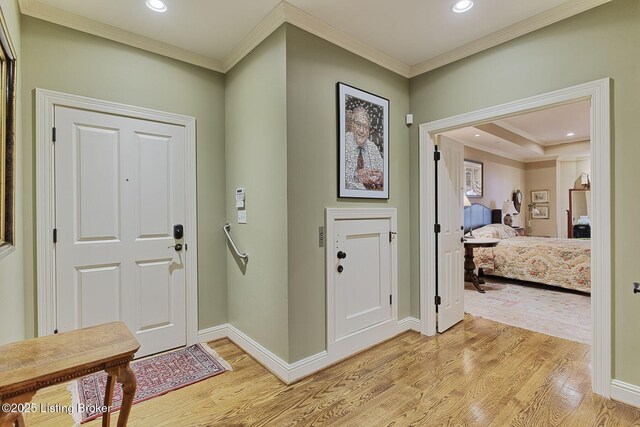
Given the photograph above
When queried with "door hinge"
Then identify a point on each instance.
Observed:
(390, 299)
(436, 155)
(438, 300)
(391, 234)
(55, 331)
(55, 235)
(53, 134)
(436, 228)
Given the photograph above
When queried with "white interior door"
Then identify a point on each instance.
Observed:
(120, 186)
(450, 245)
(363, 287)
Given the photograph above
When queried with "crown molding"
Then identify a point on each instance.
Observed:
(265, 27)
(494, 151)
(285, 12)
(80, 23)
(325, 31)
(511, 32)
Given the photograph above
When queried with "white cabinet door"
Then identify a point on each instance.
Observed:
(120, 185)
(450, 246)
(363, 287)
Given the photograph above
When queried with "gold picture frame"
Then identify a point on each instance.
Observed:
(7, 138)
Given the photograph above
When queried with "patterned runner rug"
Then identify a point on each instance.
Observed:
(540, 308)
(156, 376)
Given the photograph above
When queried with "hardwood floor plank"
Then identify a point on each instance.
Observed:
(480, 373)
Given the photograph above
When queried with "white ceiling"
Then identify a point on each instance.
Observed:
(409, 32)
(415, 30)
(533, 136)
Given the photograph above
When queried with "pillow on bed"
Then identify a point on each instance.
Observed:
(495, 231)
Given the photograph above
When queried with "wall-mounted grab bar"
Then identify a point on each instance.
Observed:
(227, 228)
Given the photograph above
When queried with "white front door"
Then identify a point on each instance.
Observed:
(450, 246)
(362, 269)
(120, 189)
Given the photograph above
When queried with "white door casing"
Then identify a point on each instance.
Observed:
(363, 288)
(450, 246)
(147, 269)
(599, 92)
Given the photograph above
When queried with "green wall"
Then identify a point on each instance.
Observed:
(256, 159)
(314, 66)
(12, 321)
(602, 42)
(60, 59)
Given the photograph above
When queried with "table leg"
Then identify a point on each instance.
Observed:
(129, 385)
(469, 269)
(124, 375)
(13, 419)
(108, 400)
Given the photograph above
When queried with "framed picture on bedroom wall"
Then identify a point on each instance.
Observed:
(540, 196)
(542, 213)
(473, 177)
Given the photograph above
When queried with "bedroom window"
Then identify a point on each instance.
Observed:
(7, 140)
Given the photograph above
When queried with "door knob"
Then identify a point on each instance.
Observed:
(340, 269)
(177, 247)
(341, 255)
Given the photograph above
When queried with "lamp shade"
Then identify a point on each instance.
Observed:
(466, 201)
(508, 208)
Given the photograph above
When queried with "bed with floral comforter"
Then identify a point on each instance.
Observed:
(551, 261)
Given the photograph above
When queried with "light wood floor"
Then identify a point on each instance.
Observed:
(481, 373)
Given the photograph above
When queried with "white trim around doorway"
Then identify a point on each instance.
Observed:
(46, 101)
(599, 93)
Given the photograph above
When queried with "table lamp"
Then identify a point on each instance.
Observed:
(509, 209)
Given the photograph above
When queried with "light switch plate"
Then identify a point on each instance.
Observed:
(242, 216)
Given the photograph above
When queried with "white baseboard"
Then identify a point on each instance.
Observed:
(410, 323)
(625, 393)
(292, 372)
(214, 333)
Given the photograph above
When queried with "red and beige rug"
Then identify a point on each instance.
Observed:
(538, 308)
(156, 376)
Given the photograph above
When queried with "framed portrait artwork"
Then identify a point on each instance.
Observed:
(473, 178)
(363, 144)
(540, 196)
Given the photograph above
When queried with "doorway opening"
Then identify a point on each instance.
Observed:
(596, 94)
(532, 172)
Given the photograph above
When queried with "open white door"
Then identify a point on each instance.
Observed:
(450, 245)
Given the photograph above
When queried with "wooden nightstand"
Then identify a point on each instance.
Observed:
(519, 230)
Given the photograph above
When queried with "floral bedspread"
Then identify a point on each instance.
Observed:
(558, 262)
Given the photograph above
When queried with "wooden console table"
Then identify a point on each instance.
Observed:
(27, 366)
(469, 265)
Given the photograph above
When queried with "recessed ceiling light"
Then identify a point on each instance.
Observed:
(571, 134)
(462, 6)
(157, 5)
(477, 135)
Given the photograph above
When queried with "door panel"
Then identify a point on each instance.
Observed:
(362, 289)
(450, 246)
(153, 284)
(98, 288)
(114, 256)
(97, 187)
(154, 186)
